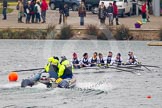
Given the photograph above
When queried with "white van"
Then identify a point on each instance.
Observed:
(124, 6)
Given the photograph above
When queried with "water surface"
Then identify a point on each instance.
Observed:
(109, 90)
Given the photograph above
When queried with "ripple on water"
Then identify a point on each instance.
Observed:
(124, 89)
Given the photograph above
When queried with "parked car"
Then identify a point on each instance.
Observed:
(92, 5)
(124, 6)
(73, 4)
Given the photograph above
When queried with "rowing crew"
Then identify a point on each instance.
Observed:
(98, 59)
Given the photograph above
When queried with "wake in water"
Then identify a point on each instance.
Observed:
(18, 84)
(10, 85)
(95, 86)
(98, 87)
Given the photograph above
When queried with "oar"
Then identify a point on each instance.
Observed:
(122, 69)
(104, 71)
(27, 70)
(114, 67)
(90, 72)
(148, 66)
(130, 68)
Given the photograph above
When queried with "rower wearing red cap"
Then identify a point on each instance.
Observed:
(75, 61)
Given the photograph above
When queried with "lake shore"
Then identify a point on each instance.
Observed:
(148, 31)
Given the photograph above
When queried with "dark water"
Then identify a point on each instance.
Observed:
(111, 89)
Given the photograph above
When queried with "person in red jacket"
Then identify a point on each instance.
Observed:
(143, 10)
(115, 12)
(44, 7)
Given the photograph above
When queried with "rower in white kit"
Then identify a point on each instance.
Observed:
(118, 59)
(85, 61)
(132, 59)
(93, 60)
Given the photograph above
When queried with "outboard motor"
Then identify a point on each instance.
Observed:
(44, 78)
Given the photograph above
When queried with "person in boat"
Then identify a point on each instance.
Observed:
(93, 60)
(101, 60)
(132, 59)
(52, 66)
(50, 71)
(65, 74)
(75, 61)
(85, 61)
(118, 59)
(65, 68)
(59, 74)
(110, 60)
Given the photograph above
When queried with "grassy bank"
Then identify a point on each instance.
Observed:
(12, 3)
(91, 32)
(9, 10)
(22, 34)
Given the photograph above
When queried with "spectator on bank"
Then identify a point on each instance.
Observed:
(5, 3)
(61, 12)
(44, 8)
(21, 11)
(148, 11)
(25, 3)
(82, 13)
(66, 13)
(143, 11)
(102, 13)
(149, 4)
(115, 12)
(109, 11)
(32, 13)
(38, 11)
(28, 10)
(83, 1)
(134, 4)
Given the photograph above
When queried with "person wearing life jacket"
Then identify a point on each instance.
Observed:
(101, 60)
(118, 59)
(65, 74)
(52, 67)
(64, 69)
(93, 60)
(85, 61)
(50, 71)
(60, 73)
(132, 59)
(75, 61)
(110, 59)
